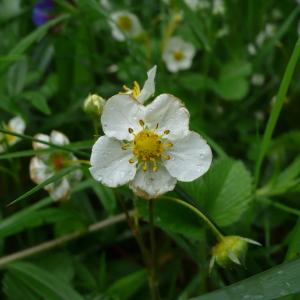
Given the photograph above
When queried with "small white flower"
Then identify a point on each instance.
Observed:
(218, 7)
(251, 49)
(125, 25)
(270, 30)
(178, 54)
(258, 79)
(150, 147)
(197, 4)
(260, 39)
(43, 166)
(17, 125)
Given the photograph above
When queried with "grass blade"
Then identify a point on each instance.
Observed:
(276, 109)
(40, 186)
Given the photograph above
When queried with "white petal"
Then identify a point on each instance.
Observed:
(58, 138)
(151, 184)
(191, 157)
(149, 86)
(39, 171)
(41, 137)
(170, 114)
(110, 163)
(120, 113)
(17, 124)
(60, 190)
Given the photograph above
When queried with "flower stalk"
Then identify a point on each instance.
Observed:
(198, 212)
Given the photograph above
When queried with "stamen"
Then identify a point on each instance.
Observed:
(156, 126)
(130, 130)
(131, 161)
(167, 157)
(145, 167)
(142, 123)
(167, 131)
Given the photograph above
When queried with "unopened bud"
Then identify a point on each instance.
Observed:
(230, 250)
(94, 104)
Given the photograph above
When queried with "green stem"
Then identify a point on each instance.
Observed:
(214, 229)
(276, 110)
(280, 206)
(153, 265)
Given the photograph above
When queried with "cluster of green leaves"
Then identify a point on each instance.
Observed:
(251, 190)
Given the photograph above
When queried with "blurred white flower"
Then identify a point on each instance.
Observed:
(125, 25)
(197, 4)
(270, 30)
(149, 147)
(178, 54)
(93, 104)
(17, 125)
(258, 79)
(105, 4)
(260, 39)
(276, 14)
(218, 7)
(142, 95)
(44, 166)
(251, 49)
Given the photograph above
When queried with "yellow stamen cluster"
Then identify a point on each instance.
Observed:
(178, 55)
(148, 147)
(8, 137)
(124, 23)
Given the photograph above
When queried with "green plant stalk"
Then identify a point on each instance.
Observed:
(27, 137)
(280, 206)
(276, 110)
(211, 225)
(153, 265)
(62, 240)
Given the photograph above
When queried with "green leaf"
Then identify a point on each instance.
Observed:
(173, 217)
(127, 286)
(42, 282)
(38, 100)
(225, 191)
(277, 282)
(233, 84)
(26, 42)
(294, 243)
(106, 197)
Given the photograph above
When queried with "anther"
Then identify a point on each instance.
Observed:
(131, 161)
(167, 157)
(156, 126)
(130, 130)
(167, 131)
(145, 167)
(142, 123)
(155, 168)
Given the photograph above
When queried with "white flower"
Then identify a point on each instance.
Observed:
(251, 49)
(125, 25)
(17, 125)
(142, 95)
(257, 79)
(197, 4)
(270, 30)
(44, 166)
(218, 7)
(150, 147)
(178, 54)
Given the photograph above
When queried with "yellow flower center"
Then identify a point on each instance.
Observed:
(124, 23)
(148, 147)
(10, 139)
(178, 55)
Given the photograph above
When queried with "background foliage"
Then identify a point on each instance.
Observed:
(48, 71)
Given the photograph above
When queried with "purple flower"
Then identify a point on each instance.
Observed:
(41, 12)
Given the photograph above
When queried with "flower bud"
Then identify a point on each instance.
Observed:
(94, 104)
(230, 250)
